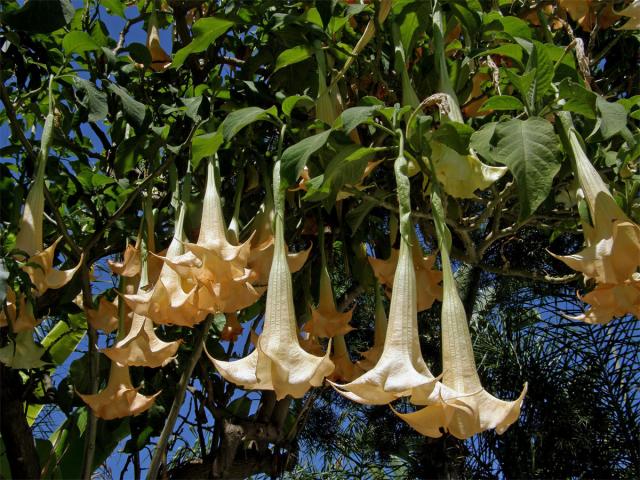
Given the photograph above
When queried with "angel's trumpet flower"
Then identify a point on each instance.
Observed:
(346, 370)
(459, 404)
(119, 399)
(426, 277)
(232, 328)
(24, 353)
(20, 313)
(142, 347)
(401, 370)
(217, 265)
(371, 356)
(160, 60)
(278, 363)
(326, 321)
(612, 253)
(29, 238)
(261, 256)
(131, 265)
(613, 243)
(173, 300)
(105, 317)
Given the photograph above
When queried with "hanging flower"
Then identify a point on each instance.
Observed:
(219, 267)
(20, 313)
(119, 399)
(22, 352)
(371, 356)
(278, 363)
(173, 300)
(462, 175)
(612, 253)
(105, 317)
(160, 60)
(326, 321)
(232, 328)
(141, 347)
(131, 264)
(426, 277)
(401, 370)
(262, 242)
(459, 405)
(345, 369)
(607, 301)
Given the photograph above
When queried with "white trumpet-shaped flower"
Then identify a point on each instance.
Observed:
(401, 370)
(119, 399)
(278, 362)
(173, 300)
(218, 266)
(459, 404)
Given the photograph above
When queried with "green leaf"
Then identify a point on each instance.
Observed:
(530, 149)
(502, 102)
(293, 55)
(133, 110)
(354, 116)
(116, 7)
(79, 42)
(95, 101)
(525, 85)
(205, 32)
(578, 99)
(515, 27)
(540, 62)
(291, 102)
(40, 16)
(64, 337)
(126, 155)
(613, 115)
(204, 146)
(347, 167)
(239, 119)
(454, 135)
(139, 53)
(295, 157)
(481, 140)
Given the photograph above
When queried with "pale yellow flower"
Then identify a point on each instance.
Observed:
(459, 404)
(326, 321)
(427, 279)
(278, 363)
(119, 399)
(401, 370)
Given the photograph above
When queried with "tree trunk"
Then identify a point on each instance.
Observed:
(16, 434)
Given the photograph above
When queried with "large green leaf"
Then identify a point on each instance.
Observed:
(346, 168)
(293, 55)
(540, 62)
(205, 32)
(94, 100)
(354, 116)
(78, 42)
(133, 110)
(40, 16)
(577, 99)
(239, 119)
(295, 157)
(204, 146)
(530, 149)
(613, 117)
(502, 102)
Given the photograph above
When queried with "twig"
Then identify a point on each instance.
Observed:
(167, 430)
(128, 25)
